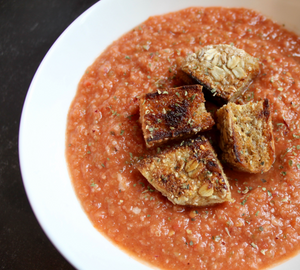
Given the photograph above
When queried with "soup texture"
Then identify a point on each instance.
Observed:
(104, 141)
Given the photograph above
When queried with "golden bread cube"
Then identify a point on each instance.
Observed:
(188, 174)
(173, 113)
(224, 70)
(247, 136)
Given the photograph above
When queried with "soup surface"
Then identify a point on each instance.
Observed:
(104, 140)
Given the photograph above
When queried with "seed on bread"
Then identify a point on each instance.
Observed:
(224, 70)
(174, 113)
(247, 136)
(188, 174)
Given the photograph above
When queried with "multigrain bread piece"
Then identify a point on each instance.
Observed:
(173, 113)
(247, 136)
(188, 174)
(224, 70)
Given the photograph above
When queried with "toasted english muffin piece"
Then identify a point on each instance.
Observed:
(173, 113)
(247, 136)
(188, 174)
(224, 70)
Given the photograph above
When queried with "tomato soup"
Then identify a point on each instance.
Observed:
(104, 140)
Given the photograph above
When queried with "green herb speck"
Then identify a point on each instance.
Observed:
(243, 202)
(193, 97)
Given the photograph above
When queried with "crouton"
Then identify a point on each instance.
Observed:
(173, 113)
(223, 70)
(247, 136)
(188, 174)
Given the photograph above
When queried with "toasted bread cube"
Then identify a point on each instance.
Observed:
(223, 70)
(188, 174)
(173, 113)
(247, 136)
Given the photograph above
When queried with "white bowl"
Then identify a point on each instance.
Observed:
(43, 123)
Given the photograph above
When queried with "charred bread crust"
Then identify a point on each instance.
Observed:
(173, 113)
(223, 70)
(188, 174)
(188, 79)
(247, 136)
